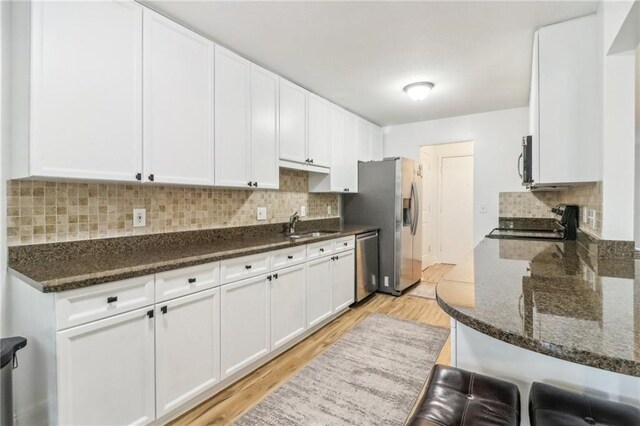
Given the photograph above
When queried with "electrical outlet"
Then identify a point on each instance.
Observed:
(303, 211)
(593, 218)
(139, 218)
(262, 213)
(328, 209)
(585, 216)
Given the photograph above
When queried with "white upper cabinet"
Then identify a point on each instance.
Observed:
(264, 128)
(77, 81)
(319, 143)
(567, 127)
(178, 103)
(232, 117)
(293, 122)
(364, 138)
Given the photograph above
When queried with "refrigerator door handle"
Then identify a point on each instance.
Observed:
(415, 206)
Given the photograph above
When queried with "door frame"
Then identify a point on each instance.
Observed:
(439, 151)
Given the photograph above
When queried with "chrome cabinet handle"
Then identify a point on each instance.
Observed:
(519, 166)
(112, 299)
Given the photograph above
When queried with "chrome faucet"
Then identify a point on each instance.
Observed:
(292, 223)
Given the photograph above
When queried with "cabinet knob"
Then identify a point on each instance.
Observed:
(191, 280)
(321, 250)
(150, 313)
(255, 184)
(290, 257)
(249, 183)
(345, 244)
(247, 266)
(164, 309)
(275, 276)
(337, 257)
(269, 277)
(151, 177)
(306, 161)
(138, 176)
(112, 299)
(311, 161)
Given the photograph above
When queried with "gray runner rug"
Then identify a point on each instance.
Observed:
(370, 376)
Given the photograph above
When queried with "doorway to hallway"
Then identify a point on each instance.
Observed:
(447, 213)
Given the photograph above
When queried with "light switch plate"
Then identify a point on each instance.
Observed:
(328, 209)
(262, 213)
(303, 211)
(139, 218)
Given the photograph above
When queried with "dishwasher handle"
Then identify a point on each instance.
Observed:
(366, 236)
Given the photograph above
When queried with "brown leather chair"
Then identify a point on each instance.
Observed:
(458, 397)
(553, 406)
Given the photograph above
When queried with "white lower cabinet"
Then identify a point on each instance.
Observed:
(288, 307)
(106, 371)
(187, 348)
(319, 287)
(244, 320)
(343, 280)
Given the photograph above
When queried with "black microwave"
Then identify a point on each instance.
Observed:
(525, 163)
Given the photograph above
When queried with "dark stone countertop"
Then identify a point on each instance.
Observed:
(72, 265)
(555, 298)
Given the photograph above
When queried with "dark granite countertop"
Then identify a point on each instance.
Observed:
(67, 266)
(555, 298)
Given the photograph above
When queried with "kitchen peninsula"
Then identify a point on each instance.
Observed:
(547, 311)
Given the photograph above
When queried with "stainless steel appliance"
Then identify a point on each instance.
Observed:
(526, 170)
(565, 227)
(366, 264)
(389, 197)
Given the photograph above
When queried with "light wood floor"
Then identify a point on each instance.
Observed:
(238, 398)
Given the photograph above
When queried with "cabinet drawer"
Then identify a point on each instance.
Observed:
(288, 257)
(75, 307)
(244, 267)
(181, 282)
(322, 248)
(344, 243)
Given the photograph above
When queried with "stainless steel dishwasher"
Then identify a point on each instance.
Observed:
(366, 264)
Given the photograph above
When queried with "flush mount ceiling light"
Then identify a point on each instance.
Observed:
(418, 91)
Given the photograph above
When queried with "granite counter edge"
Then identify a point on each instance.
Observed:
(102, 277)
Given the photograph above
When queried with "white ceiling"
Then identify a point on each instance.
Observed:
(361, 54)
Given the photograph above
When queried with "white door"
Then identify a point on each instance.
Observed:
(106, 371)
(293, 122)
(456, 208)
(232, 119)
(265, 171)
(344, 282)
(350, 152)
(319, 290)
(288, 305)
(86, 90)
(178, 103)
(338, 164)
(187, 348)
(244, 323)
(319, 131)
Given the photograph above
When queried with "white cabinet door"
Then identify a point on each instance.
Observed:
(319, 290)
(106, 371)
(350, 152)
(343, 280)
(319, 131)
(86, 90)
(232, 118)
(339, 174)
(364, 140)
(244, 323)
(288, 306)
(569, 102)
(293, 122)
(187, 348)
(264, 128)
(178, 103)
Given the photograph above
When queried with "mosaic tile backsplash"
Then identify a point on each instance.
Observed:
(538, 204)
(40, 211)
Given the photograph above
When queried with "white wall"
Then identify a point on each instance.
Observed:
(5, 66)
(496, 135)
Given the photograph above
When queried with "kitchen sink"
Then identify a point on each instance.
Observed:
(312, 234)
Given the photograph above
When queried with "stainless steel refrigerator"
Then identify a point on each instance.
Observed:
(389, 196)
